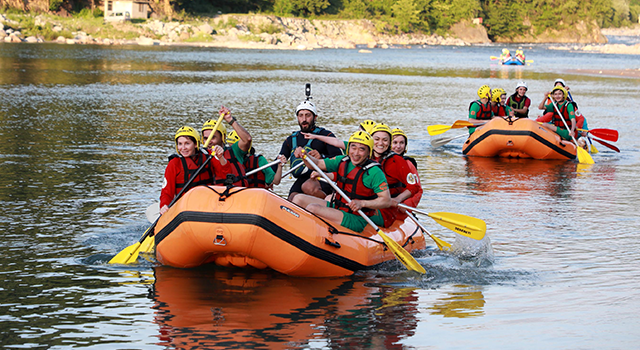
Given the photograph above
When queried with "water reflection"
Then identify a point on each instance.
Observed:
(520, 175)
(462, 302)
(246, 309)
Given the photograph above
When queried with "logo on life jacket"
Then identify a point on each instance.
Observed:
(411, 179)
(289, 211)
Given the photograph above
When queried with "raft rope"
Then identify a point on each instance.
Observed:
(332, 229)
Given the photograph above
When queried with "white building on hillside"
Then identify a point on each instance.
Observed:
(122, 10)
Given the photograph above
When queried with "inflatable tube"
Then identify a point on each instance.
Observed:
(255, 228)
(521, 138)
(512, 61)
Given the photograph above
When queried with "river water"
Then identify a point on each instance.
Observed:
(84, 135)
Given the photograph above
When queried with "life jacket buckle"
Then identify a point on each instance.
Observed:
(219, 240)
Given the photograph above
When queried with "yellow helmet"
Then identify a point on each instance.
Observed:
(381, 127)
(505, 51)
(233, 137)
(187, 131)
(361, 137)
(367, 125)
(484, 91)
(211, 123)
(564, 91)
(398, 132)
(496, 94)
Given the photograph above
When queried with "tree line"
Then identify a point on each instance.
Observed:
(502, 18)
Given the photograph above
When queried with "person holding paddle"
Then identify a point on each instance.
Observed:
(359, 177)
(562, 109)
(264, 178)
(480, 110)
(235, 153)
(519, 102)
(183, 165)
(306, 114)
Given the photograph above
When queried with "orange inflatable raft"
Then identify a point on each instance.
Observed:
(519, 138)
(252, 227)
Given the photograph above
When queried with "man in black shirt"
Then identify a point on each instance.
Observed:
(306, 114)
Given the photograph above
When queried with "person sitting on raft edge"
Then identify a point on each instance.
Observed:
(235, 153)
(183, 165)
(358, 177)
(480, 110)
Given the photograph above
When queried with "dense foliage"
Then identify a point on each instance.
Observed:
(502, 18)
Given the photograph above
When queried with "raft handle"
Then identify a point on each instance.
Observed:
(219, 240)
(331, 243)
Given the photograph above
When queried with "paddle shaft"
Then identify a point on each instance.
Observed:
(175, 199)
(339, 191)
(293, 169)
(579, 150)
(262, 167)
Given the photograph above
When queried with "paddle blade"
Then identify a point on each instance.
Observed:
(605, 134)
(153, 212)
(442, 245)
(592, 148)
(584, 157)
(461, 124)
(443, 141)
(402, 254)
(437, 129)
(607, 144)
(465, 225)
(128, 255)
(147, 245)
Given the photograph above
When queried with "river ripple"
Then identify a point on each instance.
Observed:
(84, 135)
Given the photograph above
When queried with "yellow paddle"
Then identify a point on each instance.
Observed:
(583, 156)
(129, 255)
(401, 254)
(440, 243)
(465, 225)
(439, 129)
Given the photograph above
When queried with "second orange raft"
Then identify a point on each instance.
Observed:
(255, 228)
(519, 138)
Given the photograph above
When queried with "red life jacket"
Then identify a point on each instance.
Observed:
(499, 110)
(352, 186)
(395, 187)
(485, 110)
(257, 179)
(238, 176)
(189, 168)
(565, 114)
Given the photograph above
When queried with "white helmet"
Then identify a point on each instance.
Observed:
(308, 106)
(522, 84)
(561, 81)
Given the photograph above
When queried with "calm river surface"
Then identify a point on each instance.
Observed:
(84, 136)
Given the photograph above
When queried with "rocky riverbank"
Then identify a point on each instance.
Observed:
(233, 31)
(252, 32)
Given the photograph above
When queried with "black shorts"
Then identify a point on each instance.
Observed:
(297, 186)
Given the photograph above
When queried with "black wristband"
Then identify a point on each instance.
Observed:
(233, 120)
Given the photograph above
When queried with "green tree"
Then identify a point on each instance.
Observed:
(406, 13)
(307, 7)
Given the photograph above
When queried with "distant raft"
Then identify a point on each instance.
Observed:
(255, 228)
(519, 138)
(513, 61)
